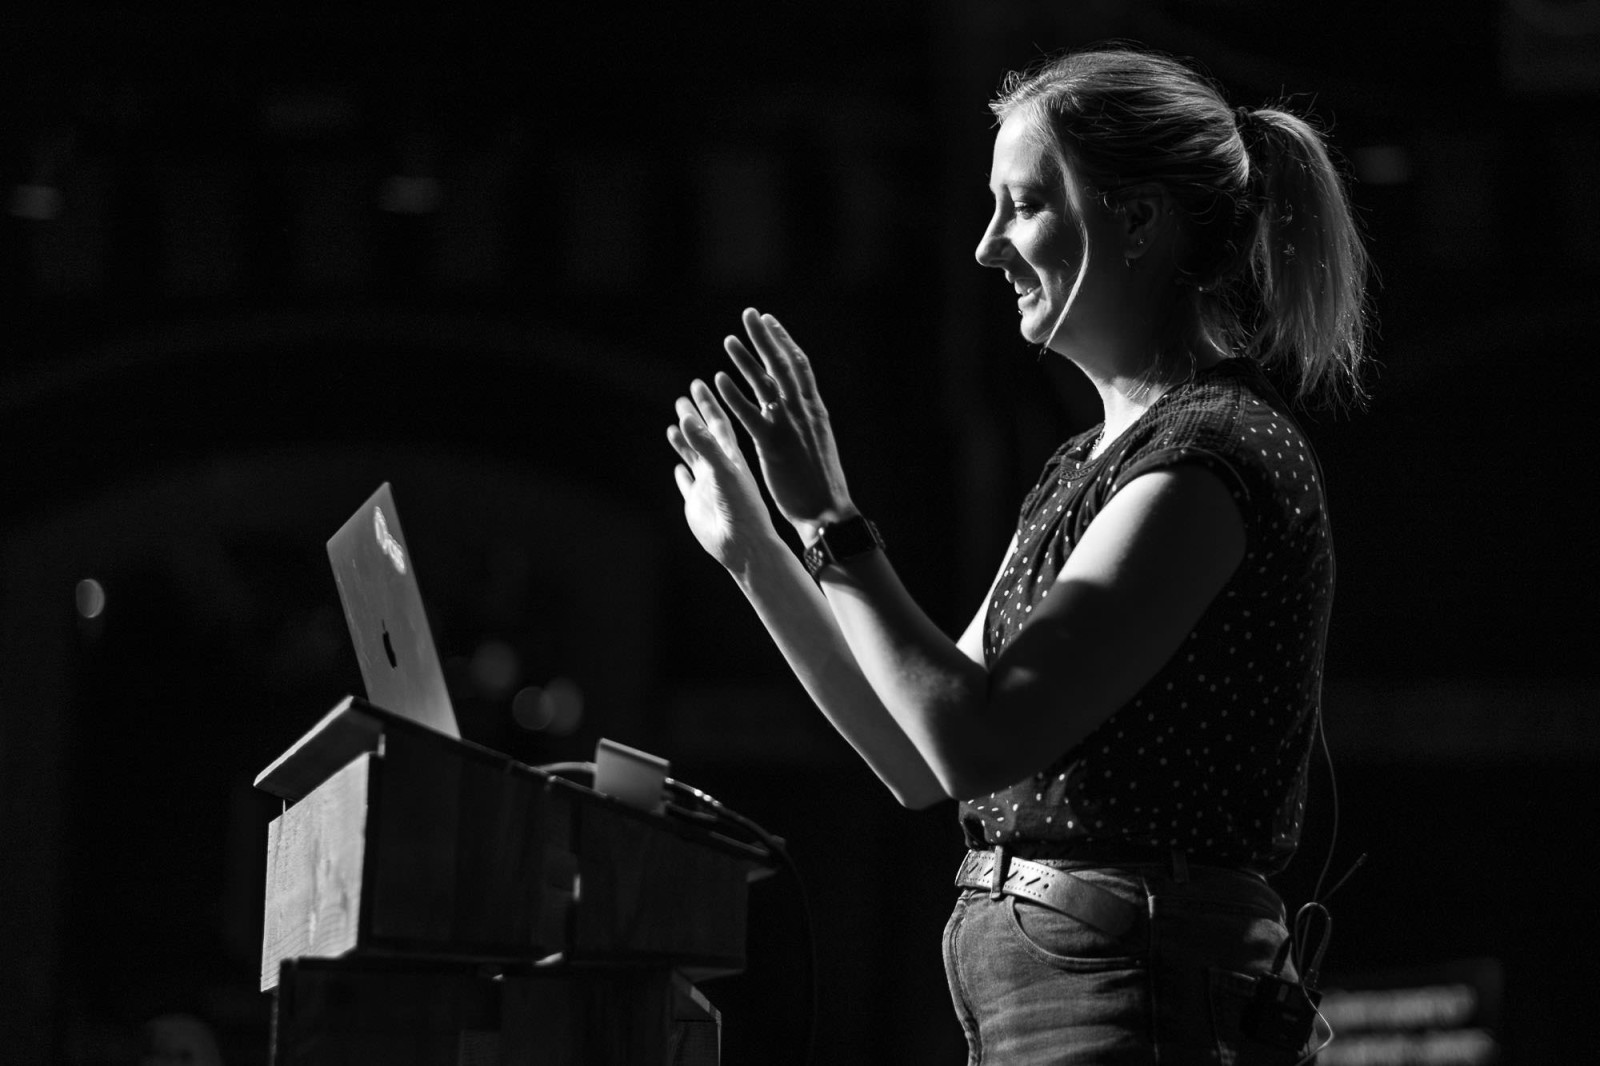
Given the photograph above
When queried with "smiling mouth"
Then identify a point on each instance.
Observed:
(1025, 289)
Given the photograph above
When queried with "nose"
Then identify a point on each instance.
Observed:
(992, 245)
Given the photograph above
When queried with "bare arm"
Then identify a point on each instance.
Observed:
(1132, 589)
(726, 514)
(801, 623)
(798, 619)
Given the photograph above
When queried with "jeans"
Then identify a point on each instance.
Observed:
(1033, 986)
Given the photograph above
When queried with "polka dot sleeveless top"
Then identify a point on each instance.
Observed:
(1210, 756)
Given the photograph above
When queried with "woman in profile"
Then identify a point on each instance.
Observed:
(1128, 719)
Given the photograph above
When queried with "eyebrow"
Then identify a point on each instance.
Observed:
(1028, 184)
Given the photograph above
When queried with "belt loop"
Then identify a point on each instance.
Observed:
(997, 886)
(1180, 866)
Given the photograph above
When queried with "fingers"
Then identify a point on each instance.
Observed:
(779, 354)
(704, 433)
(802, 365)
(748, 414)
(681, 445)
(763, 386)
(715, 418)
(696, 436)
(779, 375)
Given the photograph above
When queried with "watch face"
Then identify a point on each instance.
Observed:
(840, 541)
(850, 537)
(853, 536)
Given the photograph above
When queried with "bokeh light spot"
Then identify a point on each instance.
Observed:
(565, 702)
(557, 708)
(495, 668)
(529, 709)
(91, 598)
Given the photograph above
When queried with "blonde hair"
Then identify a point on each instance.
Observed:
(1273, 266)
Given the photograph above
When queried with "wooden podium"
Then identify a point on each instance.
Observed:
(430, 902)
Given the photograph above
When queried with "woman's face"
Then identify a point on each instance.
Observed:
(1033, 237)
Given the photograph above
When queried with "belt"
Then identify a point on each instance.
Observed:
(999, 872)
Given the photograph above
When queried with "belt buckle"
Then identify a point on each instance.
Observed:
(1002, 861)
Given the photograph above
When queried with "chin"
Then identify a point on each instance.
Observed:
(1035, 328)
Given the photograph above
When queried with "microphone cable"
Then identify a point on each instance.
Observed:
(690, 804)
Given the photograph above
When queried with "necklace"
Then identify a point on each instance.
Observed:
(1140, 396)
(1094, 445)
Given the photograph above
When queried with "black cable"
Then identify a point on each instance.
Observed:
(712, 812)
(1333, 787)
(775, 846)
(1360, 859)
(1306, 974)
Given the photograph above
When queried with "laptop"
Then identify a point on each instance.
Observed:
(377, 581)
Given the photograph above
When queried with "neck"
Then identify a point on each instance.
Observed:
(1125, 398)
(1126, 394)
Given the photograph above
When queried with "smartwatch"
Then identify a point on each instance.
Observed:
(838, 541)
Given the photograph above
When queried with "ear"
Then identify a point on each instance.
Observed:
(1144, 214)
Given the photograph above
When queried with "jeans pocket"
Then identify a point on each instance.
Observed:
(1253, 1028)
(1062, 941)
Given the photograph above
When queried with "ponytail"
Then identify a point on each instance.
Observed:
(1307, 262)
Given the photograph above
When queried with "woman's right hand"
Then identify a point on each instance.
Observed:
(788, 423)
(721, 500)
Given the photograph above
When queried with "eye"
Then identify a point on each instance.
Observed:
(1025, 208)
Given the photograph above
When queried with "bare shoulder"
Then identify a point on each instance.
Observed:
(1181, 517)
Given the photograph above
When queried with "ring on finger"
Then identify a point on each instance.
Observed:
(769, 407)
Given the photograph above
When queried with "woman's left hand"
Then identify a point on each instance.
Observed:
(721, 500)
(788, 423)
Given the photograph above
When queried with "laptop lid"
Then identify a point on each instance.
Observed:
(383, 606)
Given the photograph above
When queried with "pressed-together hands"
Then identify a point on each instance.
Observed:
(794, 445)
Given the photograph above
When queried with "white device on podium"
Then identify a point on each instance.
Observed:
(634, 777)
(377, 581)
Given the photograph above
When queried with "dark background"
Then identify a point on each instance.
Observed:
(251, 265)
